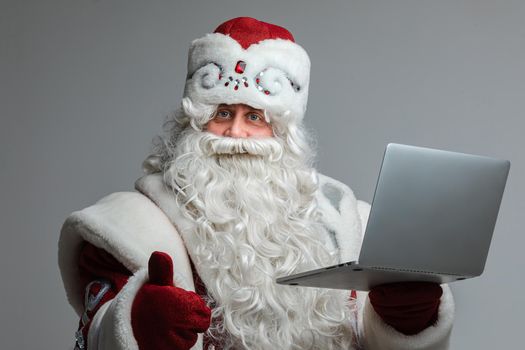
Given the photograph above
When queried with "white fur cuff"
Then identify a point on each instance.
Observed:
(380, 336)
(111, 327)
(114, 331)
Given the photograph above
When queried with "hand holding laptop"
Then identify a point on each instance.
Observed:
(409, 307)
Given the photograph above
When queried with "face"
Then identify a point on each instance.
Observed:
(239, 121)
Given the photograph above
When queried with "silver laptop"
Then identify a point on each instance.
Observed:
(432, 219)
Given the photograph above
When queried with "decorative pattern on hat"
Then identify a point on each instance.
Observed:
(252, 62)
(236, 82)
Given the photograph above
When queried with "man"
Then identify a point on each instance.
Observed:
(231, 202)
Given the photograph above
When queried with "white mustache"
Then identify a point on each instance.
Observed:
(268, 147)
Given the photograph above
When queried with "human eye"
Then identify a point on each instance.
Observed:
(254, 117)
(222, 114)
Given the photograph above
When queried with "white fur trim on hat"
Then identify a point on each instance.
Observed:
(277, 74)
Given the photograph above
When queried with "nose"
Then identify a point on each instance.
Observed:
(237, 127)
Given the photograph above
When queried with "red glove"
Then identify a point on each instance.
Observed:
(409, 307)
(164, 316)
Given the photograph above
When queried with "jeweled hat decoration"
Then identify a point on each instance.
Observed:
(253, 62)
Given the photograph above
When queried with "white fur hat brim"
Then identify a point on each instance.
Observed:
(275, 77)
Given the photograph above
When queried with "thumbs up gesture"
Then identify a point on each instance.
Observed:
(164, 316)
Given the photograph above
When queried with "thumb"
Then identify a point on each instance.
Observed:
(160, 269)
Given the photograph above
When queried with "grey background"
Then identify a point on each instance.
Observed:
(85, 86)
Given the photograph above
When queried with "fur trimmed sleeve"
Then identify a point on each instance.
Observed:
(112, 326)
(128, 226)
(377, 335)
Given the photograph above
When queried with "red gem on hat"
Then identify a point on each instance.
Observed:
(240, 66)
(247, 31)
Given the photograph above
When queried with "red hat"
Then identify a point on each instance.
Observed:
(253, 62)
(247, 31)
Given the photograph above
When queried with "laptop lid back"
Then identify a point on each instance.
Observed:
(433, 211)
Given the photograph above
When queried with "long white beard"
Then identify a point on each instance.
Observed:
(253, 218)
